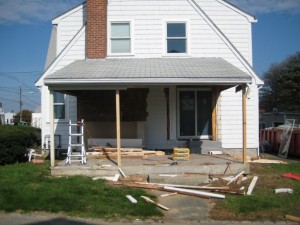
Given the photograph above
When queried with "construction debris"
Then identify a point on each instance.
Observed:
(252, 185)
(131, 199)
(267, 161)
(194, 193)
(236, 177)
(114, 178)
(167, 195)
(292, 218)
(109, 152)
(215, 153)
(294, 176)
(147, 199)
(121, 171)
(284, 190)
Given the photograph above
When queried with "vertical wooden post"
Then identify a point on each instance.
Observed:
(51, 117)
(244, 103)
(118, 122)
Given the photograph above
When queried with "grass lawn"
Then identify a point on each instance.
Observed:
(263, 204)
(28, 187)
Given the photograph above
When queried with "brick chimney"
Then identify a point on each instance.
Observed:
(96, 29)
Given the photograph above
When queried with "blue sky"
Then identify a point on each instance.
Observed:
(25, 27)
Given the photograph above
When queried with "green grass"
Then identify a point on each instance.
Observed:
(28, 187)
(263, 204)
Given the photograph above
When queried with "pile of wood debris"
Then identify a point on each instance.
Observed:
(109, 152)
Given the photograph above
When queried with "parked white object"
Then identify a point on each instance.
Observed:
(284, 190)
(131, 199)
(251, 186)
(215, 152)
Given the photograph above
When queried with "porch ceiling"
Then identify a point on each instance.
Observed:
(92, 74)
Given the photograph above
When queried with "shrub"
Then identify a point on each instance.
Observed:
(14, 141)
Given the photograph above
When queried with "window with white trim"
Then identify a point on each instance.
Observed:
(120, 37)
(176, 37)
(59, 105)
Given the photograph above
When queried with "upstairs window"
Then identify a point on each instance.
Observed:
(120, 38)
(59, 105)
(176, 38)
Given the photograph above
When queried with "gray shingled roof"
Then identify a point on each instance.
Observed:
(155, 69)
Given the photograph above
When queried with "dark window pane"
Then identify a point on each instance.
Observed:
(58, 97)
(176, 46)
(176, 30)
(59, 112)
(204, 111)
(187, 113)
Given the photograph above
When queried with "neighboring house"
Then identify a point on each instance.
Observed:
(2, 115)
(176, 66)
(36, 120)
(9, 118)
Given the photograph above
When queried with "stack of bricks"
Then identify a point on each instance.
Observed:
(181, 154)
(96, 31)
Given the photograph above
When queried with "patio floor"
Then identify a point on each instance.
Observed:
(199, 165)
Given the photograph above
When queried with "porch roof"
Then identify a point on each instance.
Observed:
(149, 71)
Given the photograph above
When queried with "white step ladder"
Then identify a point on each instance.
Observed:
(78, 133)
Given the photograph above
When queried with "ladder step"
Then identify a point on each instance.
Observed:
(76, 134)
(75, 124)
(76, 145)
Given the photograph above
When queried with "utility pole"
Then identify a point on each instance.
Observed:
(20, 103)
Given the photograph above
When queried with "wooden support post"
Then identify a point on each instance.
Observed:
(51, 118)
(118, 122)
(244, 103)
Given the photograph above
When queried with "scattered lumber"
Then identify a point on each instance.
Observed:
(267, 161)
(236, 177)
(131, 199)
(133, 179)
(194, 192)
(147, 199)
(284, 190)
(137, 185)
(292, 218)
(252, 185)
(110, 152)
(121, 171)
(109, 178)
(167, 195)
(189, 186)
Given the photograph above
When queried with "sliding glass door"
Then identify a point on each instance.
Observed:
(195, 110)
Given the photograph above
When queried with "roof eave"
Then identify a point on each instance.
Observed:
(70, 84)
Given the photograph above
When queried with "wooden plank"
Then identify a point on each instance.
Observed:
(252, 184)
(131, 199)
(292, 218)
(167, 195)
(244, 103)
(147, 199)
(198, 193)
(122, 173)
(236, 177)
(189, 186)
(118, 121)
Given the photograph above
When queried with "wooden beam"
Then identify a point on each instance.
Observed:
(252, 185)
(51, 118)
(292, 218)
(118, 122)
(244, 103)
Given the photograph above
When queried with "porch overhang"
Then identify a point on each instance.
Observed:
(118, 73)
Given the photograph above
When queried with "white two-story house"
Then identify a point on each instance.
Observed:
(181, 70)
